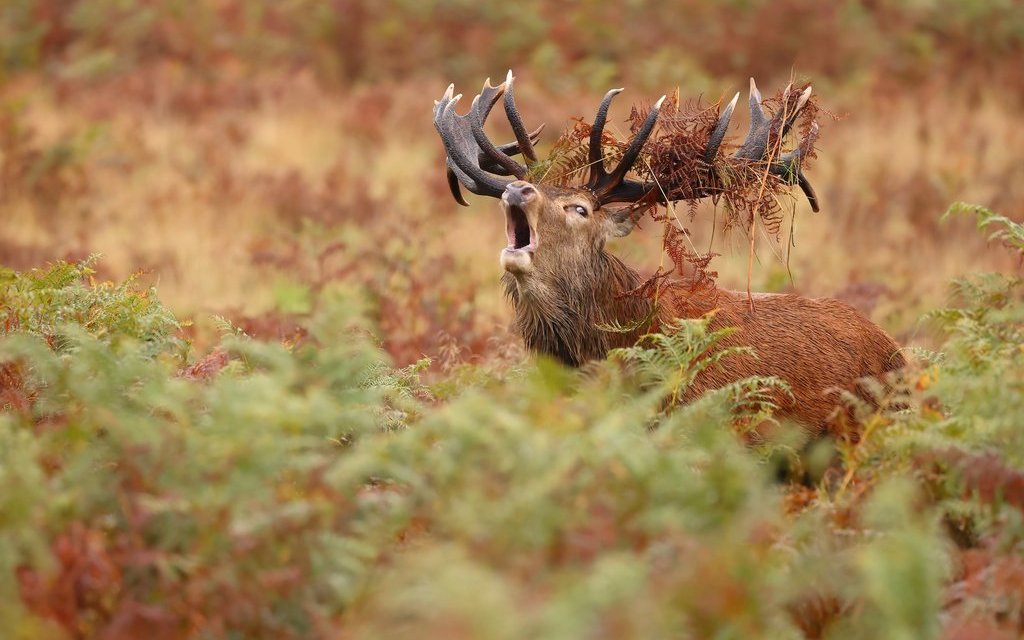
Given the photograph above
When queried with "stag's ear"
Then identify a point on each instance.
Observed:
(620, 223)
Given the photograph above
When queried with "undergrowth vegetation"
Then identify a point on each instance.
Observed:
(313, 489)
(323, 427)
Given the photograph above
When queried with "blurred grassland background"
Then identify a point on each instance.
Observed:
(242, 154)
(301, 471)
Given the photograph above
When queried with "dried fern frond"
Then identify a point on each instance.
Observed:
(674, 160)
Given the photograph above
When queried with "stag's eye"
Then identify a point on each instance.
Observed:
(577, 209)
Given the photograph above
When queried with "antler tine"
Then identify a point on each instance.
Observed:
(512, 148)
(453, 131)
(757, 117)
(633, 150)
(481, 108)
(788, 166)
(718, 133)
(801, 102)
(454, 175)
(808, 190)
(453, 185)
(613, 187)
(522, 136)
(755, 146)
(595, 153)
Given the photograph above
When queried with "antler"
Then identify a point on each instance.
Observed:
(483, 167)
(614, 187)
(760, 135)
(472, 159)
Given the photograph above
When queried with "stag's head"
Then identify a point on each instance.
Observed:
(560, 230)
(555, 227)
(549, 228)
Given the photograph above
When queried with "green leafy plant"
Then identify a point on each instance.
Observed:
(1007, 231)
(297, 489)
(44, 301)
(672, 360)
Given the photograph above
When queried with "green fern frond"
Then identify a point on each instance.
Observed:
(1011, 233)
(671, 360)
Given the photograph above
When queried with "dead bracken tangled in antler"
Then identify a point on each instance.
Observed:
(674, 157)
(750, 186)
(746, 187)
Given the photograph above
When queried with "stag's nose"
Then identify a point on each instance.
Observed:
(519, 193)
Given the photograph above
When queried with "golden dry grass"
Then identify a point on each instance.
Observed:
(199, 197)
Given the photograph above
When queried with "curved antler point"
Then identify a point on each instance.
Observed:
(657, 105)
(755, 96)
(732, 103)
(451, 104)
(804, 97)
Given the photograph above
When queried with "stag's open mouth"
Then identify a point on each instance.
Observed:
(521, 235)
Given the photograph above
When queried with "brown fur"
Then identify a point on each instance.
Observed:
(573, 285)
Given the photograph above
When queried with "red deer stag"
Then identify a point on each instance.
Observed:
(564, 285)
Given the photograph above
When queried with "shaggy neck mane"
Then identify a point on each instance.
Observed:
(558, 315)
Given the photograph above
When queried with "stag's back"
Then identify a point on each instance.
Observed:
(815, 344)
